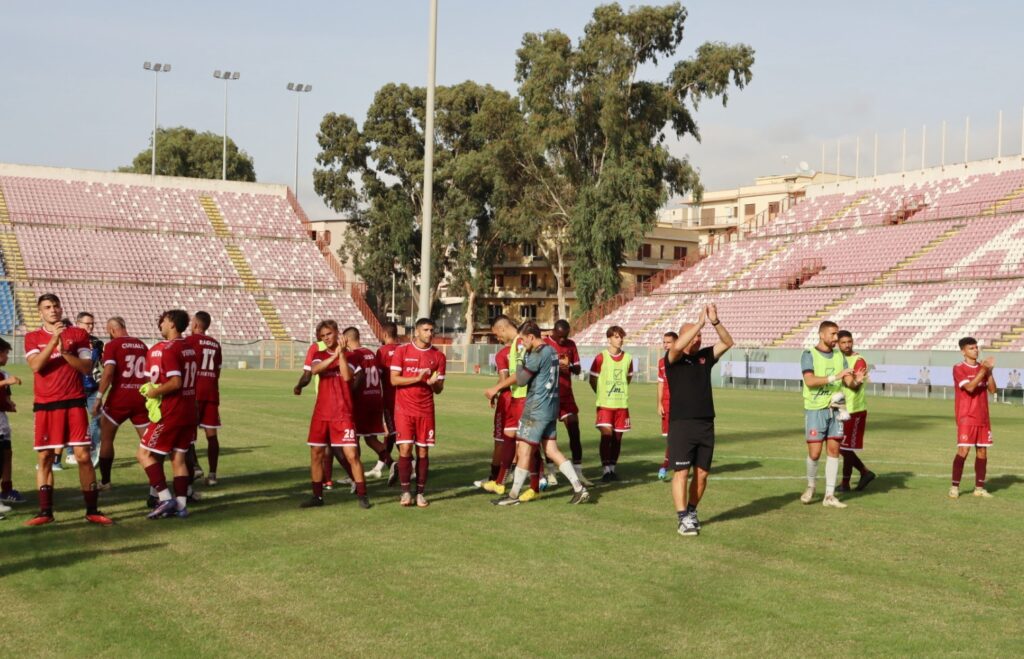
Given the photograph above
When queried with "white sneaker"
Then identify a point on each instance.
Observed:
(832, 502)
(807, 496)
(5, 508)
(352, 489)
(954, 492)
(70, 459)
(375, 472)
(982, 492)
(344, 481)
(479, 484)
(552, 479)
(199, 472)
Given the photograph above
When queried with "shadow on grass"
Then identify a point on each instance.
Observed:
(69, 557)
(756, 507)
(1004, 482)
(883, 484)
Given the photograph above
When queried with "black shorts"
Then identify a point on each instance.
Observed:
(691, 442)
(5, 442)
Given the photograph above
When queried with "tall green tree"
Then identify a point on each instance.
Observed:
(588, 166)
(182, 151)
(375, 175)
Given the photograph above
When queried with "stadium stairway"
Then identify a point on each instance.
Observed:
(767, 256)
(822, 313)
(1008, 338)
(24, 298)
(820, 226)
(910, 258)
(1003, 201)
(249, 280)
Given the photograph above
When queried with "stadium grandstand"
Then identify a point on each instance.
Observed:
(133, 245)
(917, 260)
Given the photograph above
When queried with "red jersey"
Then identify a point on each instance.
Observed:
(568, 349)
(372, 390)
(971, 406)
(172, 358)
(208, 353)
(417, 399)
(501, 361)
(128, 357)
(333, 394)
(57, 381)
(384, 356)
(595, 367)
(664, 383)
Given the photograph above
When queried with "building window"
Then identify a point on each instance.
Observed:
(528, 281)
(499, 281)
(678, 252)
(529, 249)
(494, 310)
(643, 252)
(661, 254)
(528, 311)
(748, 211)
(642, 279)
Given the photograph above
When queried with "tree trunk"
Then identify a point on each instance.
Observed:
(560, 308)
(470, 314)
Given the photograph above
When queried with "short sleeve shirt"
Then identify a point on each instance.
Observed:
(542, 391)
(128, 357)
(971, 407)
(210, 358)
(416, 399)
(57, 380)
(166, 360)
(689, 380)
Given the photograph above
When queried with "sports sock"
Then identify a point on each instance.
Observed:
(980, 466)
(605, 449)
(213, 452)
(191, 465)
(106, 464)
(691, 508)
(157, 480)
(575, 445)
(495, 468)
(46, 500)
(855, 461)
(847, 467)
(181, 490)
(958, 468)
(607, 469)
(536, 467)
(405, 472)
(518, 478)
(328, 467)
(616, 448)
(831, 475)
(570, 474)
(360, 488)
(91, 497)
(812, 472)
(422, 469)
(6, 486)
(318, 489)
(508, 454)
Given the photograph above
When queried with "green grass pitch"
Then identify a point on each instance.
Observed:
(903, 570)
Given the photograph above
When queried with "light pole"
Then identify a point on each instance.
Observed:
(428, 166)
(157, 68)
(297, 87)
(225, 76)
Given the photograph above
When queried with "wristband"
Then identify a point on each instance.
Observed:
(716, 322)
(832, 379)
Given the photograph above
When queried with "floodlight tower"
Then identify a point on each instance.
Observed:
(225, 76)
(157, 68)
(297, 87)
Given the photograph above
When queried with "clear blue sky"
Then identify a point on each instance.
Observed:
(75, 94)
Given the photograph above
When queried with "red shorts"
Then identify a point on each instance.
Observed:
(208, 414)
(369, 419)
(566, 404)
(417, 430)
(336, 432)
(616, 419)
(513, 413)
(161, 439)
(119, 411)
(58, 428)
(853, 431)
(970, 435)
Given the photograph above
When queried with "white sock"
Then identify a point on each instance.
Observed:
(164, 495)
(831, 474)
(379, 465)
(812, 472)
(518, 479)
(567, 470)
(182, 502)
(152, 491)
(612, 468)
(607, 469)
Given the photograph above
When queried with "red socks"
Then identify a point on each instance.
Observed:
(405, 472)
(616, 448)
(980, 466)
(46, 500)
(535, 469)
(508, 454)
(422, 468)
(318, 489)
(575, 445)
(328, 466)
(91, 499)
(213, 452)
(958, 468)
(361, 489)
(606, 450)
(155, 474)
(181, 485)
(495, 468)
